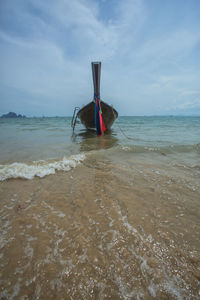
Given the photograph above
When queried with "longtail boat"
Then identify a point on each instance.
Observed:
(97, 114)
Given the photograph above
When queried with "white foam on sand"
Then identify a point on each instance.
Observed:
(39, 168)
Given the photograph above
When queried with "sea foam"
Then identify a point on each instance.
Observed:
(39, 168)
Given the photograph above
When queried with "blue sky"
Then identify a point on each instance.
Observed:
(150, 54)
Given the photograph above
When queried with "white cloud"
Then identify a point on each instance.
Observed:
(49, 56)
(189, 104)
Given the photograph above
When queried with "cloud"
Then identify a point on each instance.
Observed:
(46, 48)
(190, 104)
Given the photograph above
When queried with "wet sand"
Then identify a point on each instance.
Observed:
(112, 228)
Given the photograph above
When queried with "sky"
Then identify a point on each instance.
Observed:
(149, 49)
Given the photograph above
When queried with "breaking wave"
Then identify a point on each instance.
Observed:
(39, 168)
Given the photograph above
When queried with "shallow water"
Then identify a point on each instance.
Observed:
(34, 139)
(118, 220)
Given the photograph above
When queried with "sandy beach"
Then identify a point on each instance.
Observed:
(104, 230)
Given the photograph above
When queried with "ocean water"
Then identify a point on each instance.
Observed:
(115, 217)
(32, 139)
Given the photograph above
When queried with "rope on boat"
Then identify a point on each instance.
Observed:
(128, 137)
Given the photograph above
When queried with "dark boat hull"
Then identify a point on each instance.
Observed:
(87, 115)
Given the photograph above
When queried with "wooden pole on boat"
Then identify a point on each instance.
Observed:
(96, 74)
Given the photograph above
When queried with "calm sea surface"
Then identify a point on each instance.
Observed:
(51, 138)
(115, 217)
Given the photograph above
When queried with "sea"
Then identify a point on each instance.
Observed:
(110, 217)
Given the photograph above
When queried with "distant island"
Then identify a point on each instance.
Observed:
(12, 115)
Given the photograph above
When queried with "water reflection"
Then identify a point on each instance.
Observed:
(88, 140)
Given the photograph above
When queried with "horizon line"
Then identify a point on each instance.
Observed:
(70, 116)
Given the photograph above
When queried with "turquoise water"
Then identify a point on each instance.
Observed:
(161, 131)
(51, 138)
(50, 141)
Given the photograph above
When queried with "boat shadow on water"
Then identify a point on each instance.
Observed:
(88, 140)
